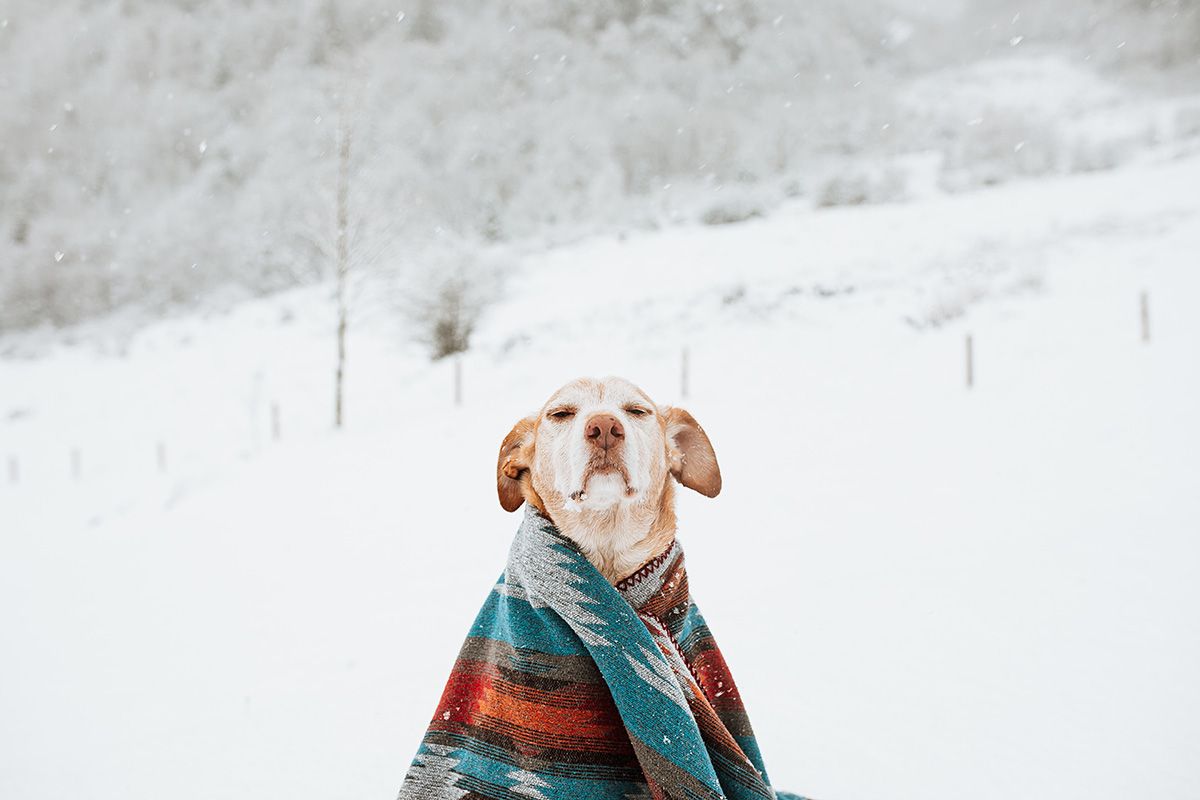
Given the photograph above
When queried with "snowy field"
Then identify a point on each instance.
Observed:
(925, 591)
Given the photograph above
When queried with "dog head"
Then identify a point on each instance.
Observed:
(603, 447)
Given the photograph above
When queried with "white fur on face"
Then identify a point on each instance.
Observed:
(564, 458)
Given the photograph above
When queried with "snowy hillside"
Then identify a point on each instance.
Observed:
(161, 154)
(926, 591)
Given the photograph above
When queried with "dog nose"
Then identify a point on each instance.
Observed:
(603, 430)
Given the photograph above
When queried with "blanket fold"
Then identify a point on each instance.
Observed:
(568, 688)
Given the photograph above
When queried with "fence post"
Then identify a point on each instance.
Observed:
(970, 362)
(76, 463)
(458, 387)
(14, 470)
(161, 452)
(683, 374)
(275, 428)
(1145, 302)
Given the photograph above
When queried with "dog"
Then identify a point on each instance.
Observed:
(589, 673)
(600, 460)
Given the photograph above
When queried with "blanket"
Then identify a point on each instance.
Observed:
(569, 688)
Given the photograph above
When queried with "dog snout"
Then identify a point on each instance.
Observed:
(604, 431)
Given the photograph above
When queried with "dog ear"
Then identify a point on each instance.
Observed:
(512, 467)
(690, 454)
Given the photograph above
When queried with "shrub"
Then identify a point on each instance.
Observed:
(446, 300)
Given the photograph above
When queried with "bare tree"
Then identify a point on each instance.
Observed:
(361, 235)
(344, 134)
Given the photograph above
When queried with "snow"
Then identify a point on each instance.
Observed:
(925, 591)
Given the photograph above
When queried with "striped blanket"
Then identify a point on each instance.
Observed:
(570, 689)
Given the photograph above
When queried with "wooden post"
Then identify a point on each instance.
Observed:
(161, 452)
(14, 470)
(970, 362)
(76, 463)
(458, 380)
(1145, 316)
(275, 427)
(683, 374)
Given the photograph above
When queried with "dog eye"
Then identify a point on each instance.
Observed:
(562, 413)
(636, 411)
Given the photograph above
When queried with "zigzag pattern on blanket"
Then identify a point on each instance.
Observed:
(568, 688)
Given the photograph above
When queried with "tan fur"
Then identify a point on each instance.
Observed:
(630, 518)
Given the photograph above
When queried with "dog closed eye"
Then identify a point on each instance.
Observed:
(561, 413)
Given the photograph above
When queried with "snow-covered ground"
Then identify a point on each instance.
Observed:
(925, 591)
